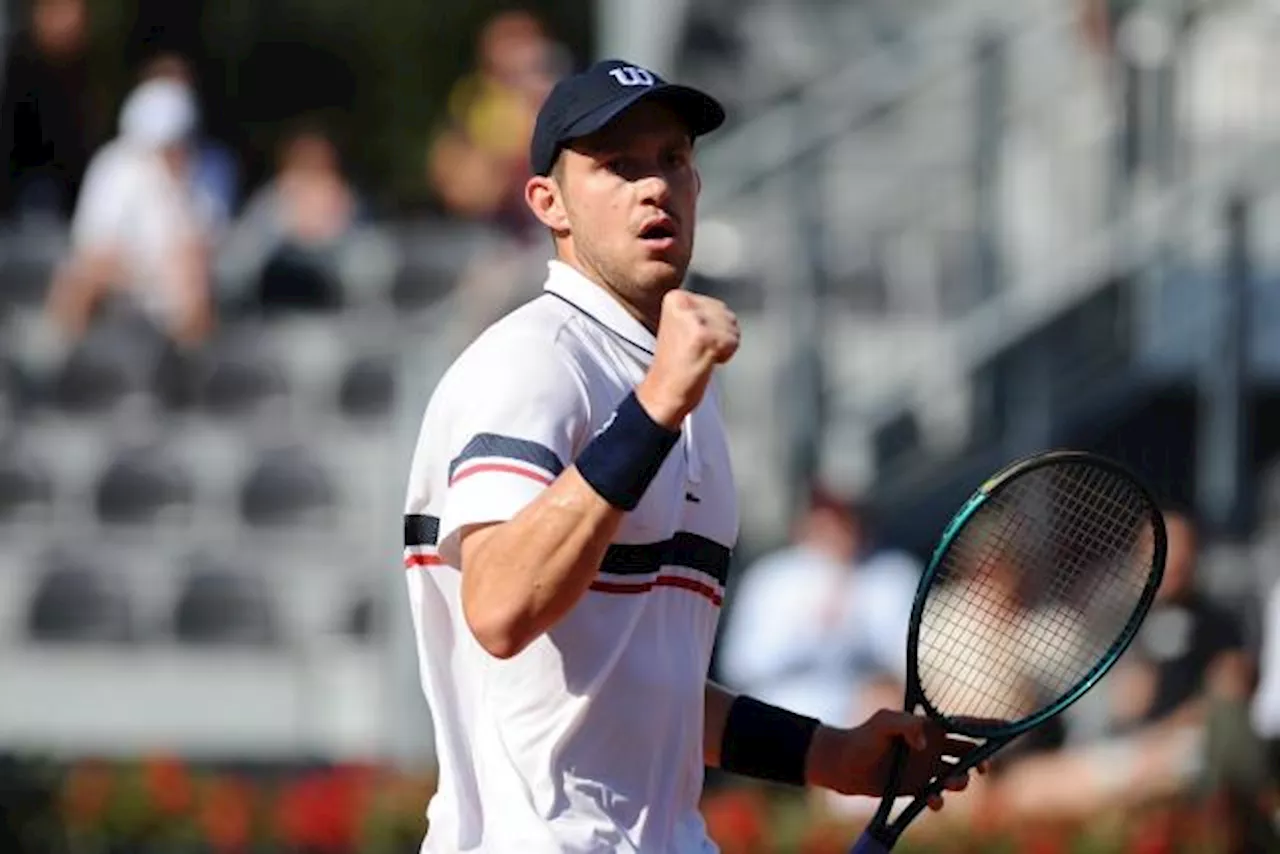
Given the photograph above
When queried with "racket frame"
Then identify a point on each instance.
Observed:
(881, 830)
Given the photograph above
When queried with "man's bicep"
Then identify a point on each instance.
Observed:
(516, 431)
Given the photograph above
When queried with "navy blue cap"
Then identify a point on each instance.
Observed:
(586, 102)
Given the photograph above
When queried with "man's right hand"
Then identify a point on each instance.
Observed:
(695, 333)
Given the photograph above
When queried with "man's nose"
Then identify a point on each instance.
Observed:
(655, 189)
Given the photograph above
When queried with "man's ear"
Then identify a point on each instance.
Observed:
(542, 194)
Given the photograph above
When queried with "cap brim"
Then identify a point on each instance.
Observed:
(699, 111)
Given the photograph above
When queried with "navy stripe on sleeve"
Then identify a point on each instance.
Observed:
(505, 447)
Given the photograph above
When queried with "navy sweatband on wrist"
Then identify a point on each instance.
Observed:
(624, 457)
(766, 742)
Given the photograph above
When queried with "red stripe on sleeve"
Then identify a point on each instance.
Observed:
(464, 473)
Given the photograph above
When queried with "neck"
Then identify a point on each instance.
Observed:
(646, 315)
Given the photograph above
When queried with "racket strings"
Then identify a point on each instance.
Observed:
(1034, 591)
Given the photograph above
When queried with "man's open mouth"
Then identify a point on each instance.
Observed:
(659, 231)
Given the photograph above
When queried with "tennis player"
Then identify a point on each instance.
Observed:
(570, 516)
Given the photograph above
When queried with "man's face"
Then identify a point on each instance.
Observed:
(630, 194)
(60, 26)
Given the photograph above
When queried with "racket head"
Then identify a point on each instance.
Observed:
(994, 524)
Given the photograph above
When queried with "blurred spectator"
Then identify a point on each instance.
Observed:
(1186, 642)
(1180, 696)
(46, 114)
(139, 231)
(287, 248)
(821, 625)
(479, 163)
(214, 169)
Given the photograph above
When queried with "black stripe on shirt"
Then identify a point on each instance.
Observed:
(420, 530)
(687, 550)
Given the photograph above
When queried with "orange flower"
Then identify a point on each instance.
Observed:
(168, 785)
(226, 814)
(86, 793)
(736, 820)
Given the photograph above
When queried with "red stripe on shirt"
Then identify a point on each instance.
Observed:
(411, 561)
(500, 467)
(678, 581)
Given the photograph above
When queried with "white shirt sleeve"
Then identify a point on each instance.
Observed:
(104, 202)
(519, 414)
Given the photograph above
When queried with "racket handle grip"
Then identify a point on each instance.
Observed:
(868, 844)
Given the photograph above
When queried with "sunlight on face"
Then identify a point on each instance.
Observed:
(630, 193)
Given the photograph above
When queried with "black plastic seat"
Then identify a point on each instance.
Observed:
(225, 604)
(117, 359)
(144, 486)
(368, 388)
(238, 377)
(288, 488)
(362, 619)
(26, 488)
(79, 600)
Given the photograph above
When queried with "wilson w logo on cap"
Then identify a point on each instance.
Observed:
(630, 75)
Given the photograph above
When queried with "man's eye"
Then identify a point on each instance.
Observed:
(676, 159)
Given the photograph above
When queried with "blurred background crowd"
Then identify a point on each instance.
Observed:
(239, 243)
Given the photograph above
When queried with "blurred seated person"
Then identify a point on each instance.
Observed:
(1186, 670)
(48, 121)
(139, 235)
(214, 168)
(287, 248)
(820, 626)
(1187, 641)
(479, 163)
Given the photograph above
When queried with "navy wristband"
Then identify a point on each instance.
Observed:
(624, 457)
(766, 742)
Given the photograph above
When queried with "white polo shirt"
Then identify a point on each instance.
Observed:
(591, 739)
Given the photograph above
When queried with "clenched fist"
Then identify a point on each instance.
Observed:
(695, 333)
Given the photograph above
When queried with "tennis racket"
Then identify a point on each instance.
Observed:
(1035, 589)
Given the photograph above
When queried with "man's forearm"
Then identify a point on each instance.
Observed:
(519, 578)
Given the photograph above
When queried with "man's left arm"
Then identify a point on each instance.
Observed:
(744, 736)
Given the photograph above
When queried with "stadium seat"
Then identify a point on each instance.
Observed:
(418, 288)
(143, 486)
(79, 600)
(222, 603)
(368, 388)
(28, 258)
(362, 620)
(112, 363)
(432, 255)
(26, 488)
(238, 377)
(288, 488)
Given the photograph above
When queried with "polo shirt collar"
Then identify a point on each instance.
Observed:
(571, 285)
